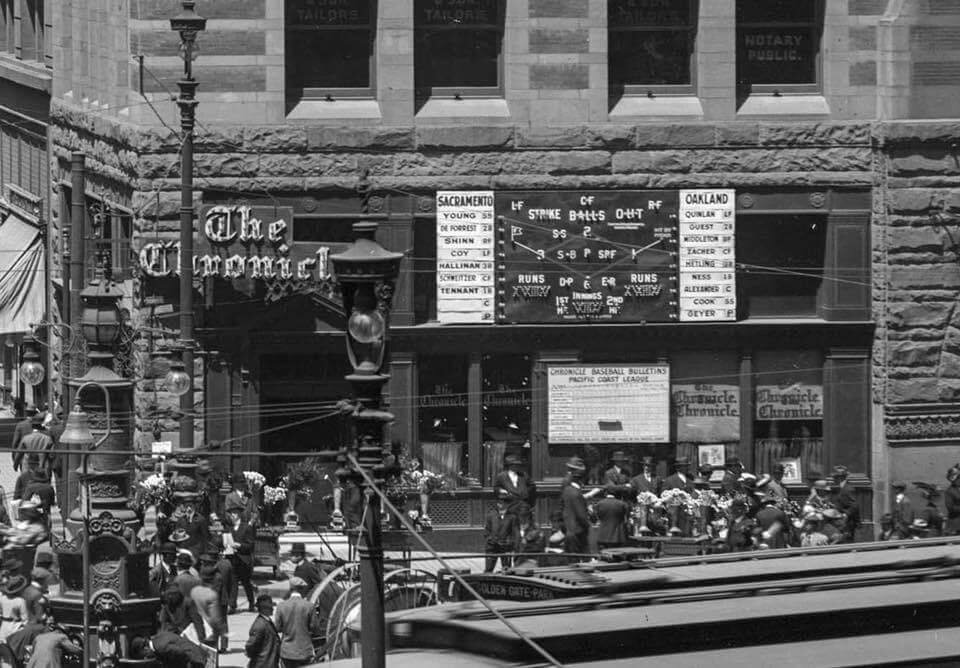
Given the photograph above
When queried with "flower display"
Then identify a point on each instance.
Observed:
(648, 499)
(707, 498)
(274, 495)
(678, 498)
(153, 491)
(255, 479)
(427, 482)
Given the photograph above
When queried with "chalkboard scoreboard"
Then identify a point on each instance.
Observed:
(587, 256)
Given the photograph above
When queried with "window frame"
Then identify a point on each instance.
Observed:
(618, 90)
(331, 93)
(31, 25)
(746, 89)
(423, 92)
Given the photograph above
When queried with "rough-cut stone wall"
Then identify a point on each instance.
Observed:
(921, 243)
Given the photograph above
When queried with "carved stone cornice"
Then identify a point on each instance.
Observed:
(922, 423)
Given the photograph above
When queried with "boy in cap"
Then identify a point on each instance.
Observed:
(901, 510)
(500, 533)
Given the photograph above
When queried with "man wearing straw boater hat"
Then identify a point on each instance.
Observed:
(575, 519)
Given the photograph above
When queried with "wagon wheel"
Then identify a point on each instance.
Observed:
(404, 589)
(325, 595)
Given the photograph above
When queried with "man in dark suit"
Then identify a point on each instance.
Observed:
(514, 486)
(618, 474)
(647, 480)
(38, 441)
(772, 524)
(173, 650)
(162, 575)
(681, 476)
(613, 513)
(730, 485)
(576, 522)
(240, 497)
(244, 537)
(23, 427)
(845, 500)
(295, 622)
(263, 645)
(951, 501)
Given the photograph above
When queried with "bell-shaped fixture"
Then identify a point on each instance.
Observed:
(76, 432)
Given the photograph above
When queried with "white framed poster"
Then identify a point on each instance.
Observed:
(608, 403)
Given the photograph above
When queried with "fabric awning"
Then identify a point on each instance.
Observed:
(22, 275)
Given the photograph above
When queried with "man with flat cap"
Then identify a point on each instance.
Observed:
(845, 500)
(681, 476)
(647, 480)
(576, 522)
(513, 485)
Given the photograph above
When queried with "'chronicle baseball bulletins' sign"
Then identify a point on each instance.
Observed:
(608, 403)
(577, 256)
(241, 241)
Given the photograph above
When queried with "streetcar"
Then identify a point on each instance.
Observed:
(869, 604)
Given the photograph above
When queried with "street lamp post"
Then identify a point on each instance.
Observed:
(188, 23)
(367, 273)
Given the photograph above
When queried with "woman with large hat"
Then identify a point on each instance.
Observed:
(13, 607)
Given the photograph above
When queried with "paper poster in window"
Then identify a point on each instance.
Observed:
(706, 412)
(792, 471)
(711, 455)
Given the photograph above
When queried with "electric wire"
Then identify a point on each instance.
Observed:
(371, 485)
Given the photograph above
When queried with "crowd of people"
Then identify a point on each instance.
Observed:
(732, 510)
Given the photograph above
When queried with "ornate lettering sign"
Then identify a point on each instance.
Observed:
(798, 401)
(243, 242)
(706, 412)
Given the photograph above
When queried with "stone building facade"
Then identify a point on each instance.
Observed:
(849, 148)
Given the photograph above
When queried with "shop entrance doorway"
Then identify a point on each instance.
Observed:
(299, 393)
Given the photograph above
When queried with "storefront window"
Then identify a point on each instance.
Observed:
(442, 415)
(780, 262)
(705, 406)
(651, 44)
(506, 410)
(788, 413)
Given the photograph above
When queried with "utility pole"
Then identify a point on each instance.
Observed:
(188, 23)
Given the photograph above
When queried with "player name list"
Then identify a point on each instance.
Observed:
(465, 272)
(707, 255)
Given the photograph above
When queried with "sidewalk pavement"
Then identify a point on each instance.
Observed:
(239, 624)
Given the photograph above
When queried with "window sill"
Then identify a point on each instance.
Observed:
(784, 105)
(671, 106)
(344, 109)
(440, 109)
(28, 74)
